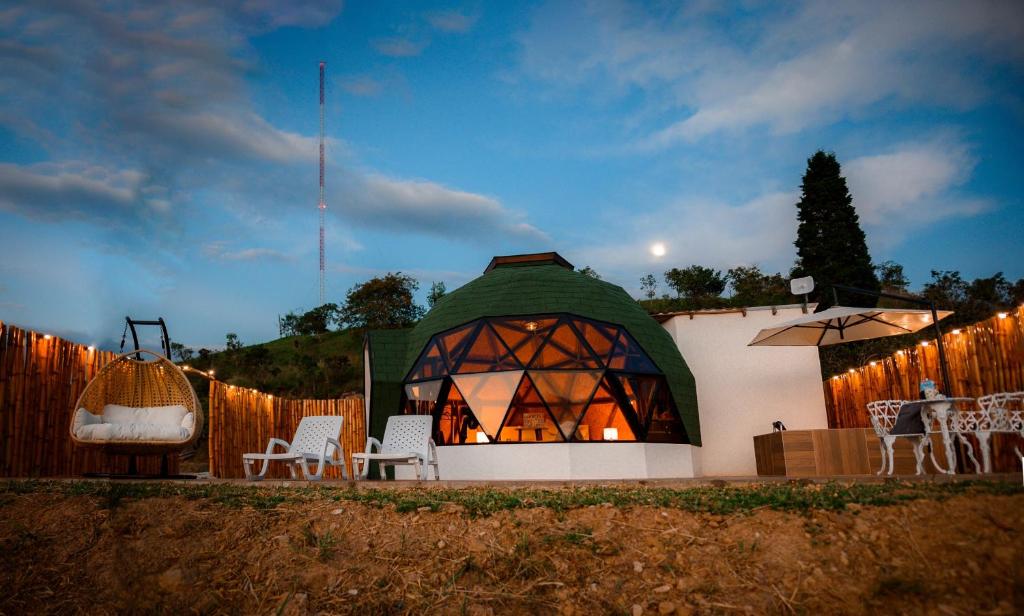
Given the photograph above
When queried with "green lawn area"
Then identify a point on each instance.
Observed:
(790, 496)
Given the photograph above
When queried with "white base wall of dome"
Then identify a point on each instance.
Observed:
(565, 461)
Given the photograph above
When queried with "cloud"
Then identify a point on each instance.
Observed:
(218, 134)
(701, 231)
(399, 47)
(913, 185)
(697, 74)
(219, 251)
(452, 21)
(78, 190)
(378, 201)
(362, 85)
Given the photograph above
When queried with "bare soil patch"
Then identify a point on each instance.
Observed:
(77, 548)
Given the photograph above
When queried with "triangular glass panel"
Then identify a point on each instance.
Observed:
(564, 350)
(604, 419)
(528, 419)
(431, 364)
(523, 336)
(456, 424)
(454, 343)
(627, 355)
(567, 393)
(641, 392)
(600, 337)
(665, 426)
(487, 353)
(489, 395)
(425, 391)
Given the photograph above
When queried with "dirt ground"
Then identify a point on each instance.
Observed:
(67, 553)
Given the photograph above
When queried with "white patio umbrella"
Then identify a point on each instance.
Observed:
(845, 324)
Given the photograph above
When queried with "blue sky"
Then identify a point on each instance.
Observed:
(161, 160)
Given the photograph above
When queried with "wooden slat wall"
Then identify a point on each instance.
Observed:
(244, 420)
(984, 358)
(41, 378)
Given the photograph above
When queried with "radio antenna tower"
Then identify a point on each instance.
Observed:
(323, 203)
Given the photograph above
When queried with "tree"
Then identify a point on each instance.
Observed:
(382, 303)
(231, 342)
(830, 244)
(649, 286)
(182, 352)
(437, 291)
(590, 272)
(317, 320)
(751, 287)
(891, 277)
(288, 325)
(696, 282)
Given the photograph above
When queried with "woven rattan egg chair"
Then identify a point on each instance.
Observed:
(139, 388)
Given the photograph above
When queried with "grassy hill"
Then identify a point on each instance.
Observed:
(320, 366)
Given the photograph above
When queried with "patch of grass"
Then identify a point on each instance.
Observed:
(324, 543)
(714, 499)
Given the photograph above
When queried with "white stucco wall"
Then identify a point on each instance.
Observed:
(741, 390)
(564, 461)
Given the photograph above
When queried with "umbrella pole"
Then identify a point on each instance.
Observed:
(943, 366)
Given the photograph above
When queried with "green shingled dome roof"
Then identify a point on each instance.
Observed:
(520, 289)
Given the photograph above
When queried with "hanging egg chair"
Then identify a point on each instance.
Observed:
(138, 407)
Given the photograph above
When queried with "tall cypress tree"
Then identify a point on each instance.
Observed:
(830, 244)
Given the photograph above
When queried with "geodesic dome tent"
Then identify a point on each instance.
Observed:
(534, 352)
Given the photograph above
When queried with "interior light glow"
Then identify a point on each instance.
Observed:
(611, 434)
(956, 332)
(531, 326)
(1001, 315)
(481, 437)
(47, 336)
(874, 363)
(924, 343)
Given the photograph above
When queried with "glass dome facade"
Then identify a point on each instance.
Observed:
(540, 378)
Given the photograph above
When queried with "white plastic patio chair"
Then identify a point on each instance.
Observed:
(406, 441)
(315, 440)
(883, 414)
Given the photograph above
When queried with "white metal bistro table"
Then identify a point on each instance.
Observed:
(946, 417)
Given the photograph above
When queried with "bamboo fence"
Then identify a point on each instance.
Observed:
(244, 420)
(984, 358)
(41, 377)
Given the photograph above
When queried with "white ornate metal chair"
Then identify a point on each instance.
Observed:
(407, 440)
(316, 440)
(883, 414)
(1003, 412)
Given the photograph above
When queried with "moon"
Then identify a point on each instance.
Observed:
(658, 249)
